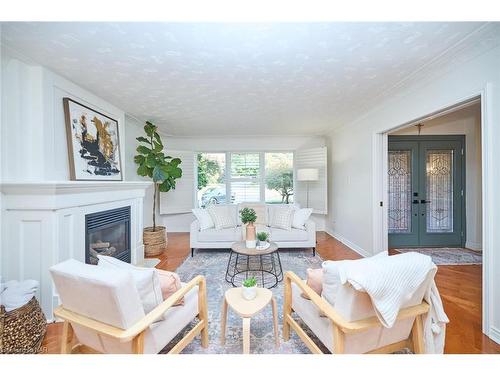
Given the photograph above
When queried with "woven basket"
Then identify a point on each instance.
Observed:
(22, 330)
(155, 243)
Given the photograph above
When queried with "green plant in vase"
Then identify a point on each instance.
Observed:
(262, 237)
(248, 217)
(249, 288)
(163, 170)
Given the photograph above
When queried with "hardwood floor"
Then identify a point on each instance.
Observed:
(459, 286)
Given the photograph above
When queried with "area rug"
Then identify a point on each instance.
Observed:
(449, 256)
(212, 264)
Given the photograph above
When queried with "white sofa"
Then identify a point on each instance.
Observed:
(224, 238)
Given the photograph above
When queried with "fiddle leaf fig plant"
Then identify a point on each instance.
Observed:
(153, 163)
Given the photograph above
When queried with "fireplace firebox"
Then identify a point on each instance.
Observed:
(108, 233)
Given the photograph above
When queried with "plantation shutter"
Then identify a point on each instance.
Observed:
(245, 177)
(182, 198)
(315, 158)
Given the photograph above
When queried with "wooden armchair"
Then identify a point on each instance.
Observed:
(102, 312)
(352, 327)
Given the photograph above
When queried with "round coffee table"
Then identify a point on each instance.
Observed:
(264, 265)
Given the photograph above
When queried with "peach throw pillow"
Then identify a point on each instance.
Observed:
(314, 281)
(169, 284)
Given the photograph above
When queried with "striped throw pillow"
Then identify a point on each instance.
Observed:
(282, 217)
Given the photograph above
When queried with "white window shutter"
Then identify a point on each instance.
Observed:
(318, 190)
(182, 198)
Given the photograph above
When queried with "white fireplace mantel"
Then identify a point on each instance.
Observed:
(43, 223)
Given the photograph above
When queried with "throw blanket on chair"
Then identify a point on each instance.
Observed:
(391, 281)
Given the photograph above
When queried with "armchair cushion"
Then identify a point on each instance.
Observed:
(146, 280)
(108, 296)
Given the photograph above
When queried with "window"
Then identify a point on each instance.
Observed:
(245, 177)
(211, 178)
(250, 177)
(279, 177)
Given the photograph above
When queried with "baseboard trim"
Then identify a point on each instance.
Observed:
(495, 334)
(348, 243)
(473, 246)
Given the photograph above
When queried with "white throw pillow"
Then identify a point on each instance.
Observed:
(300, 217)
(331, 277)
(204, 218)
(146, 281)
(222, 216)
(282, 217)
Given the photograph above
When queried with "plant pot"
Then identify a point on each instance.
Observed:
(249, 293)
(155, 243)
(250, 242)
(263, 243)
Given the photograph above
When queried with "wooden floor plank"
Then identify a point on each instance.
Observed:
(459, 286)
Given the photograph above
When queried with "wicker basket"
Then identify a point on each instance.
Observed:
(22, 330)
(155, 243)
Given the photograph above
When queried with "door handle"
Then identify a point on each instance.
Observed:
(424, 201)
(415, 201)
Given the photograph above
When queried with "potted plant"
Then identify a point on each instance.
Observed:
(249, 288)
(163, 170)
(248, 217)
(262, 237)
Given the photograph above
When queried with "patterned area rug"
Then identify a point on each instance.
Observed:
(212, 264)
(449, 256)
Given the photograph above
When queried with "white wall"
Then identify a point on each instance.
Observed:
(466, 121)
(181, 222)
(34, 146)
(352, 198)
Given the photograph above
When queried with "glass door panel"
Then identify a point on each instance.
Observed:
(439, 169)
(399, 171)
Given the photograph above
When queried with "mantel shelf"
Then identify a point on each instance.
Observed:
(69, 187)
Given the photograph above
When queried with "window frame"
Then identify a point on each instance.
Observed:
(262, 170)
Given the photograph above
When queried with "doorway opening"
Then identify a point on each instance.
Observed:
(434, 183)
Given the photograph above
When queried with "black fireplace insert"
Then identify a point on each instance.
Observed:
(108, 233)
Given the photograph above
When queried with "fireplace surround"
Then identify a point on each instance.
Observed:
(44, 223)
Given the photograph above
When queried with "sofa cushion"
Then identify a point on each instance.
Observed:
(223, 216)
(300, 216)
(259, 208)
(281, 217)
(222, 235)
(282, 235)
(204, 218)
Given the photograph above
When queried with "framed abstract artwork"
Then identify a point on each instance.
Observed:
(93, 144)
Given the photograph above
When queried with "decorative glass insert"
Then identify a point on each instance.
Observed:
(439, 170)
(399, 171)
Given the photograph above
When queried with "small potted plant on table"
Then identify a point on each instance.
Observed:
(262, 237)
(250, 288)
(248, 217)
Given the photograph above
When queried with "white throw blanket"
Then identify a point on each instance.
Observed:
(391, 282)
(16, 294)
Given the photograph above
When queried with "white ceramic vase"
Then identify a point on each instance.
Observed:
(249, 293)
(250, 244)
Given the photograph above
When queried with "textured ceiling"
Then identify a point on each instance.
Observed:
(241, 79)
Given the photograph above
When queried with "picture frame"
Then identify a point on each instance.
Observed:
(93, 140)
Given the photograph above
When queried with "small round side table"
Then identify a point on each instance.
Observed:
(246, 310)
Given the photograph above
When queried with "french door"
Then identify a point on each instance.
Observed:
(426, 201)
